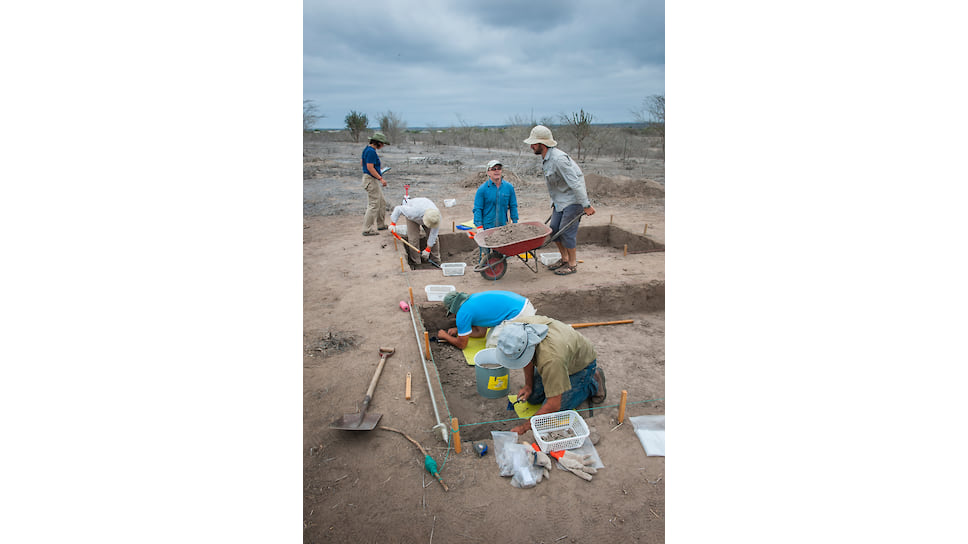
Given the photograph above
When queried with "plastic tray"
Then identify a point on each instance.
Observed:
(437, 292)
(559, 421)
(453, 269)
(550, 258)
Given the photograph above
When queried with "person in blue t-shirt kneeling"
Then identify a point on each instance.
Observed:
(477, 312)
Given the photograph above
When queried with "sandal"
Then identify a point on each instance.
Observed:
(557, 265)
(565, 270)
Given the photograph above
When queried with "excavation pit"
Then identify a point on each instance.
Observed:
(459, 247)
(633, 355)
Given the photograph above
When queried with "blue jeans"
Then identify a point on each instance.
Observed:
(583, 385)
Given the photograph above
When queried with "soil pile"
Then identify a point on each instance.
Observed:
(512, 234)
(477, 179)
(623, 186)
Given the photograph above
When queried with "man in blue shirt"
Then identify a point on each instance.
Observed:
(495, 199)
(376, 205)
(477, 312)
(493, 202)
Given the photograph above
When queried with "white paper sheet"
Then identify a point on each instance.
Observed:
(651, 433)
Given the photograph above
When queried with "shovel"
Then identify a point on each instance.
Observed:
(397, 236)
(362, 421)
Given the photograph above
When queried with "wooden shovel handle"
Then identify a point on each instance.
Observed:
(376, 377)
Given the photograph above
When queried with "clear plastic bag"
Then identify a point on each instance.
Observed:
(515, 460)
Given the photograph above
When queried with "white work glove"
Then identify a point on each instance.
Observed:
(579, 465)
(425, 254)
(393, 227)
(542, 461)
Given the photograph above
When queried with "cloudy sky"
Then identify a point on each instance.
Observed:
(446, 63)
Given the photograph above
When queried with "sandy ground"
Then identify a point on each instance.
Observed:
(371, 486)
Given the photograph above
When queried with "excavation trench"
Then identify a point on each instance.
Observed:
(632, 353)
(458, 247)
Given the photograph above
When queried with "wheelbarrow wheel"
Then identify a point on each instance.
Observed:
(495, 267)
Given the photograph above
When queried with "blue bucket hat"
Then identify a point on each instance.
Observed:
(515, 344)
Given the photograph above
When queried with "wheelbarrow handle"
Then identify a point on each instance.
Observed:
(562, 229)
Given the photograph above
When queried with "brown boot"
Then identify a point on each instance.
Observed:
(599, 397)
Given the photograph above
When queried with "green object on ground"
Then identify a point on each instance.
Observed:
(430, 464)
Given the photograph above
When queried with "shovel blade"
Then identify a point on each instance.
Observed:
(356, 422)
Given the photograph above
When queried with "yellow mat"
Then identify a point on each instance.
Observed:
(524, 409)
(473, 346)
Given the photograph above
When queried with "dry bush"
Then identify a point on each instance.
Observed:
(605, 141)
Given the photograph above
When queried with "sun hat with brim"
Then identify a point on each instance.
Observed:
(515, 345)
(379, 137)
(453, 300)
(431, 218)
(541, 135)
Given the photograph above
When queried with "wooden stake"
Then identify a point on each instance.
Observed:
(619, 322)
(610, 219)
(621, 406)
(625, 253)
(408, 386)
(401, 264)
(411, 296)
(453, 425)
(394, 244)
(427, 343)
(453, 226)
(646, 229)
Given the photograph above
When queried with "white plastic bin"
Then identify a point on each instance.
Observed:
(550, 258)
(453, 269)
(437, 292)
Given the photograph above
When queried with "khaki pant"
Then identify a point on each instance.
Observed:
(417, 234)
(376, 205)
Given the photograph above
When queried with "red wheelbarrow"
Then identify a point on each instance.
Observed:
(495, 265)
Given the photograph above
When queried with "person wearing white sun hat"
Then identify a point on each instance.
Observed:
(423, 223)
(566, 186)
(560, 365)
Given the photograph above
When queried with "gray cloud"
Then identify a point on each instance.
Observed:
(440, 63)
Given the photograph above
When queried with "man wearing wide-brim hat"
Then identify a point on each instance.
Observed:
(375, 217)
(569, 199)
(560, 365)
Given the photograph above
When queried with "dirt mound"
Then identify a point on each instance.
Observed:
(478, 178)
(623, 186)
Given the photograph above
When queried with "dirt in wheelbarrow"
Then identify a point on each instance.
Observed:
(362, 486)
(512, 234)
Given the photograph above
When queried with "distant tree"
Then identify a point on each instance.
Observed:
(392, 126)
(578, 125)
(356, 123)
(652, 114)
(519, 121)
(310, 115)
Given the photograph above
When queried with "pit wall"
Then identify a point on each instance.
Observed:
(597, 304)
(458, 243)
